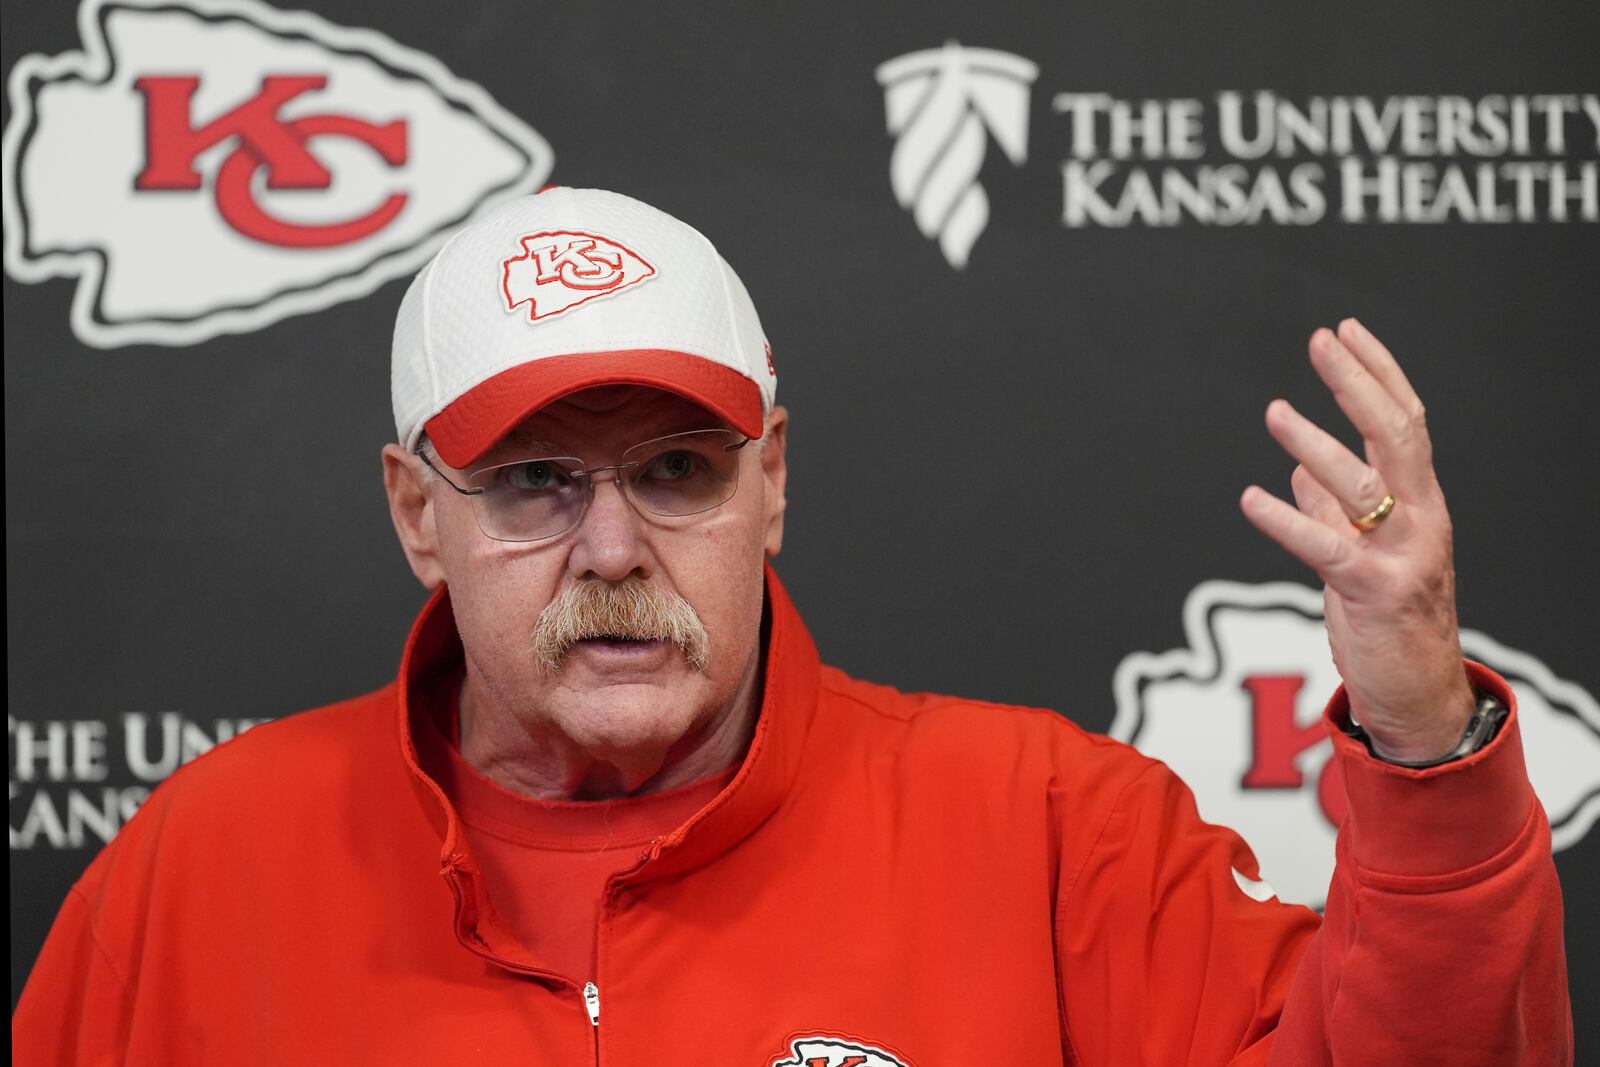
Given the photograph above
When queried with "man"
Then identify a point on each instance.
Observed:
(614, 811)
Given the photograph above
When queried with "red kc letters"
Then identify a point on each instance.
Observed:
(173, 142)
(1277, 739)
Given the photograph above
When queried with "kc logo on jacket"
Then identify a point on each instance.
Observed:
(826, 1050)
(1237, 715)
(211, 166)
(556, 272)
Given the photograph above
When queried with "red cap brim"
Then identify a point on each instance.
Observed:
(477, 420)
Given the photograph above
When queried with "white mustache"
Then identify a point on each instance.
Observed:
(631, 608)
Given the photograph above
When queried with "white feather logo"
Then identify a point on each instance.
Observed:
(940, 103)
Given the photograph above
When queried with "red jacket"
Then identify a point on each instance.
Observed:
(889, 878)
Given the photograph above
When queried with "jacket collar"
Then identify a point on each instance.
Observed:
(789, 697)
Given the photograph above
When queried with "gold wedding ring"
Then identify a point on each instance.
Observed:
(1374, 518)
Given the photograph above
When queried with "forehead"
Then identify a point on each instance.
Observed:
(607, 417)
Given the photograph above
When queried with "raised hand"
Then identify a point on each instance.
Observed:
(1389, 584)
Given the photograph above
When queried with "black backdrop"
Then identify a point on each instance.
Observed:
(1005, 477)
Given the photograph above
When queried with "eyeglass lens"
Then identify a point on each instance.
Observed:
(680, 474)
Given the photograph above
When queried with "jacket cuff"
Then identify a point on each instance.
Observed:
(1437, 820)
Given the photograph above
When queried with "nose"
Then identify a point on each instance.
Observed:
(609, 542)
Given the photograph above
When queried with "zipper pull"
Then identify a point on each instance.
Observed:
(591, 1001)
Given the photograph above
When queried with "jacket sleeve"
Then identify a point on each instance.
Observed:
(1441, 942)
(75, 1008)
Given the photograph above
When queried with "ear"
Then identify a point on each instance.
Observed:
(775, 470)
(411, 508)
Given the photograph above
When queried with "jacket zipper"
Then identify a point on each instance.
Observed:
(591, 1001)
(590, 992)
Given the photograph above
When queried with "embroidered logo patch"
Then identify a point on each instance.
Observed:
(834, 1050)
(555, 272)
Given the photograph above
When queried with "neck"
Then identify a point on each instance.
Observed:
(527, 753)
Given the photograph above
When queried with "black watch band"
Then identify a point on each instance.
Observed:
(1481, 729)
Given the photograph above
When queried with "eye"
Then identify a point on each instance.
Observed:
(541, 475)
(673, 466)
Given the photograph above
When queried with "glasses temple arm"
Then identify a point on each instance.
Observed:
(464, 492)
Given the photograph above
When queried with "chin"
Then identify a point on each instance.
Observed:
(633, 716)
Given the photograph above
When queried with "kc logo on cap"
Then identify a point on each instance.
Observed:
(556, 272)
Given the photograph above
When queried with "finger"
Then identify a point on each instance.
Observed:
(1377, 358)
(1358, 487)
(1312, 542)
(1313, 498)
(1395, 445)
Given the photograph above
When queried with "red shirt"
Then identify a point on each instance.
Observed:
(889, 878)
(545, 864)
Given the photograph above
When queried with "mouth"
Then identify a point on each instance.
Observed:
(618, 645)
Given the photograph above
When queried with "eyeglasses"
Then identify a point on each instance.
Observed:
(538, 498)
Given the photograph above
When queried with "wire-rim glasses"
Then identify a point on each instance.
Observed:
(540, 497)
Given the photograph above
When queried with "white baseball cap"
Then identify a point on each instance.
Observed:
(560, 291)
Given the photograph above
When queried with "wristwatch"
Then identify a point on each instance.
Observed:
(1481, 729)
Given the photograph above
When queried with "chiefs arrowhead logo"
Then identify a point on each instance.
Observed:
(1237, 716)
(556, 272)
(833, 1050)
(211, 166)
